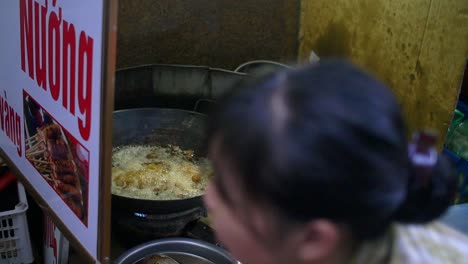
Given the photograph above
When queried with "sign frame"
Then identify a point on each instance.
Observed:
(108, 62)
(107, 107)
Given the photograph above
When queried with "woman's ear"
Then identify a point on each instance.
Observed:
(320, 240)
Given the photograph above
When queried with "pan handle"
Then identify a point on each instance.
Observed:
(196, 108)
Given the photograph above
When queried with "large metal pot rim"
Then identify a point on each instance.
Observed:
(198, 197)
(177, 245)
(158, 109)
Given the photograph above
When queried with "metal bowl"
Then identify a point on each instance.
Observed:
(183, 250)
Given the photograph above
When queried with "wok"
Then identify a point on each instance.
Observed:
(158, 127)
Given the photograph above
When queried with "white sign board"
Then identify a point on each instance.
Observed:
(50, 104)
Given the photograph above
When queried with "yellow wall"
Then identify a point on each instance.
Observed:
(418, 47)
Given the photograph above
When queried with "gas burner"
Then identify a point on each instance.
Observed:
(136, 228)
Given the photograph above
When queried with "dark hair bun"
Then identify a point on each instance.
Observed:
(426, 201)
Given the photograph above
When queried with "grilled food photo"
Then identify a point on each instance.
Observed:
(49, 152)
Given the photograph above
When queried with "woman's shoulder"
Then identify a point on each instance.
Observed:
(430, 243)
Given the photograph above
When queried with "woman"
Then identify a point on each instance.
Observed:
(312, 166)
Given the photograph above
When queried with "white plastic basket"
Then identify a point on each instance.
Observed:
(15, 244)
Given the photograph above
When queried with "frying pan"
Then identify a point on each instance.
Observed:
(158, 127)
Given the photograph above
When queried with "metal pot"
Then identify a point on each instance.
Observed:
(183, 250)
(139, 220)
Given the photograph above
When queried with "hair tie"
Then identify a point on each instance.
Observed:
(422, 152)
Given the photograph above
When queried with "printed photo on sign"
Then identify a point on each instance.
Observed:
(61, 160)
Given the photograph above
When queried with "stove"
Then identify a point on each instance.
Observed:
(143, 86)
(136, 228)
